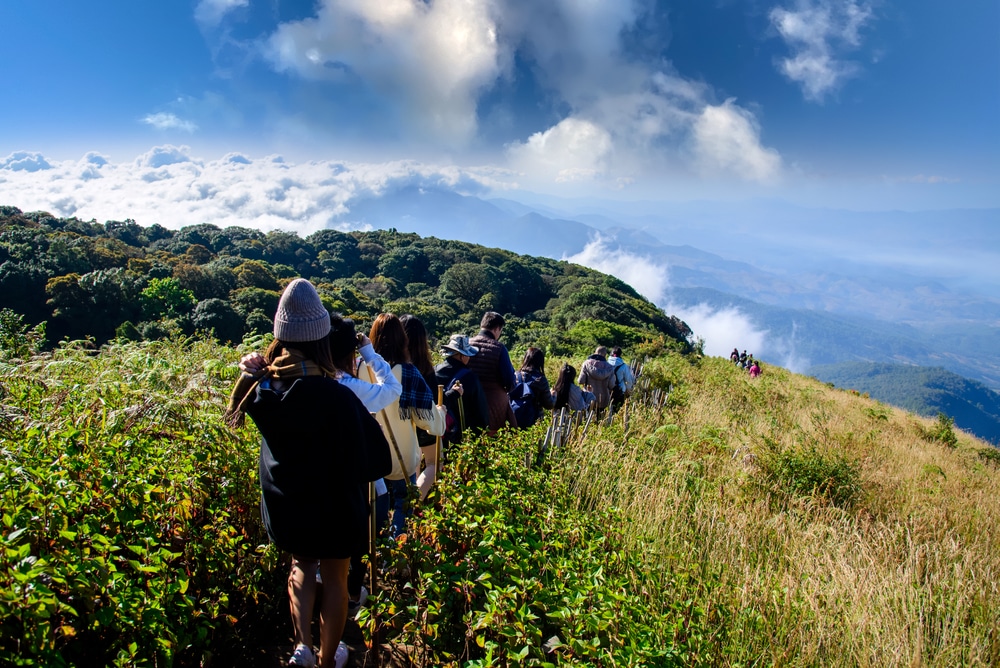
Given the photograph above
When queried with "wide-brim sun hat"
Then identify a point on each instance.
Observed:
(459, 343)
(301, 316)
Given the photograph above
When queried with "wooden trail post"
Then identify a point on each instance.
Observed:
(437, 444)
(372, 570)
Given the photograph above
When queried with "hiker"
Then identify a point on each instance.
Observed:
(597, 376)
(743, 360)
(493, 368)
(463, 394)
(624, 379)
(567, 393)
(754, 369)
(414, 409)
(345, 342)
(420, 357)
(530, 394)
(319, 449)
(734, 356)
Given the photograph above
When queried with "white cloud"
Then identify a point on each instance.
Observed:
(428, 61)
(209, 13)
(168, 121)
(575, 149)
(727, 139)
(170, 186)
(818, 32)
(421, 69)
(25, 161)
(161, 156)
(648, 277)
(722, 329)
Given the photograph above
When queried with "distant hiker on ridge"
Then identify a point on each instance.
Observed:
(493, 368)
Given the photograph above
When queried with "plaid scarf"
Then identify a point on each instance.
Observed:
(416, 399)
(289, 365)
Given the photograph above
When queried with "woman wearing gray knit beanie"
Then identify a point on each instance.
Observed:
(319, 450)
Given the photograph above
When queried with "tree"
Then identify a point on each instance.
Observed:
(218, 316)
(17, 339)
(470, 283)
(405, 265)
(165, 296)
(255, 274)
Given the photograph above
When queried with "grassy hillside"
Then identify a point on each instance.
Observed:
(729, 522)
(922, 390)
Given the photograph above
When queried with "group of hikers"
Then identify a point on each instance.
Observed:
(338, 409)
(745, 361)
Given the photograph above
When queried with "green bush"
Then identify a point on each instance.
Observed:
(943, 431)
(805, 471)
(501, 571)
(130, 532)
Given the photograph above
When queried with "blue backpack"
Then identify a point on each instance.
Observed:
(522, 401)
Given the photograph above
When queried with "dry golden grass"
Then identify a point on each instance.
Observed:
(904, 570)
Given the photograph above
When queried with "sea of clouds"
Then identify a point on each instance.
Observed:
(170, 186)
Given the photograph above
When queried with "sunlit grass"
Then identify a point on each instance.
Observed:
(904, 571)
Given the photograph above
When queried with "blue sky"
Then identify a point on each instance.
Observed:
(861, 104)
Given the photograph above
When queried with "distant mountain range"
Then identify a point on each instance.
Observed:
(915, 288)
(922, 390)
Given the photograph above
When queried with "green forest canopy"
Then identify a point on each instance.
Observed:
(123, 280)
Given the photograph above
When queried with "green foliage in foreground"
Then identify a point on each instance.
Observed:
(503, 570)
(130, 527)
(130, 533)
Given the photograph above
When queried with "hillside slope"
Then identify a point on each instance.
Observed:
(123, 280)
(716, 520)
(922, 390)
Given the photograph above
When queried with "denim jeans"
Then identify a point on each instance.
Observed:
(399, 503)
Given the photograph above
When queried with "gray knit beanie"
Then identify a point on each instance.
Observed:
(301, 316)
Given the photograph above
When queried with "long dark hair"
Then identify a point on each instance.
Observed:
(534, 360)
(316, 351)
(416, 344)
(567, 376)
(343, 343)
(389, 339)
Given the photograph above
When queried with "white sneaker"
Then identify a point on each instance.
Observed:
(340, 657)
(303, 656)
(353, 607)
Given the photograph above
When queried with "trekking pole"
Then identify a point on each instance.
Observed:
(372, 557)
(437, 443)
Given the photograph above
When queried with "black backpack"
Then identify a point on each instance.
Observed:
(617, 393)
(522, 401)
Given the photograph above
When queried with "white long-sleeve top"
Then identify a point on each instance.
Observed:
(386, 389)
(403, 430)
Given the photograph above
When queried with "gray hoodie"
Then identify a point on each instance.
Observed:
(596, 373)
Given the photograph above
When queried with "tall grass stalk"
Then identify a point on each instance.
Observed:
(903, 570)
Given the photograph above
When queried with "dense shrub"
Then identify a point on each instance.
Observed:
(130, 532)
(502, 570)
(806, 471)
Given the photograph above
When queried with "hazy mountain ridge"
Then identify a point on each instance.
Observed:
(923, 390)
(844, 304)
